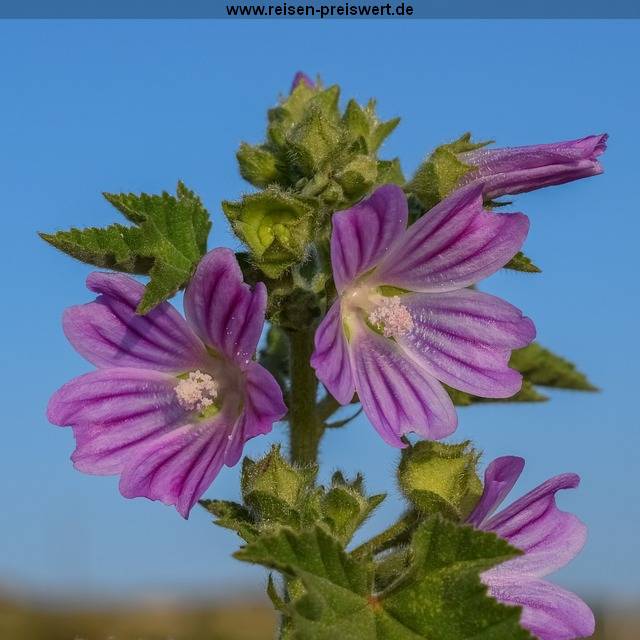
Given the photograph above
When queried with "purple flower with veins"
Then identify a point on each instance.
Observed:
(405, 321)
(518, 169)
(302, 78)
(171, 400)
(549, 538)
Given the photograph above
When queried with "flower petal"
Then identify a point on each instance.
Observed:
(364, 233)
(222, 309)
(464, 338)
(113, 413)
(549, 537)
(330, 358)
(455, 244)
(518, 169)
(178, 467)
(263, 405)
(499, 478)
(396, 394)
(109, 332)
(549, 612)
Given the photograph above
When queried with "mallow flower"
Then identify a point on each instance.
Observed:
(405, 321)
(519, 169)
(549, 539)
(171, 400)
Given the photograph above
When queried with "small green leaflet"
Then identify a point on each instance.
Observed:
(166, 243)
(438, 597)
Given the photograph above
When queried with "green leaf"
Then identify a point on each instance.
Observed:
(520, 262)
(232, 515)
(538, 366)
(438, 597)
(441, 478)
(441, 172)
(546, 369)
(168, 241)
(114, 247)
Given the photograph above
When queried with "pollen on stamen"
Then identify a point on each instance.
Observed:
(392, 317)
(197, 391)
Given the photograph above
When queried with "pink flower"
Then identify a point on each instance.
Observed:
(171, 400)
(518, 169)
(549, 538)
(405, 321)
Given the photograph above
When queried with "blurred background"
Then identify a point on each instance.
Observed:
(134, 106)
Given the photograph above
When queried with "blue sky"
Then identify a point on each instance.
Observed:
(134, 106)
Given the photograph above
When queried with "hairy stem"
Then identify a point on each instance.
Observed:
(397, 533)
(305, 426)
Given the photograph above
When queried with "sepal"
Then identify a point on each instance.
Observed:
(442, 171)
(439, 478)
(275, 225)
(258, 165)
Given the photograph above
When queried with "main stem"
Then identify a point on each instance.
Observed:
(305, 426)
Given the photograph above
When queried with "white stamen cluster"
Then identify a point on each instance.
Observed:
(197, 391)
(392, 317)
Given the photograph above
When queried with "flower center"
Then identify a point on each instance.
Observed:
(197, 391)
(391, 317)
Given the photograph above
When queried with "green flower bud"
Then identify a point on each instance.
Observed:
(314, 142)
(257, 165)
(390, 171)
(358, 176)
(345, 506)
(441, 478)
(273, 489)
(275, 225)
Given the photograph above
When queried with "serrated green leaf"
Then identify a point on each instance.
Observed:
(520, 262)
(167, 243)
(538, 366)
(114, 247)
(438, 597)
(546, 369)
(232, 515)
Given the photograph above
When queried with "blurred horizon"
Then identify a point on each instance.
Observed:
(137, 105)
